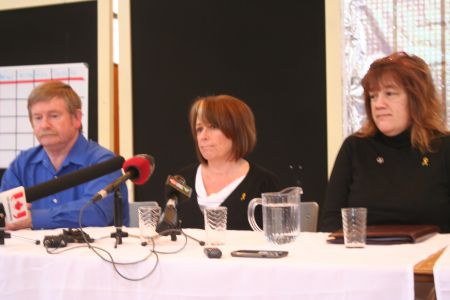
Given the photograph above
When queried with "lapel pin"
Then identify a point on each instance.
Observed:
(243, 196)
(380, 160)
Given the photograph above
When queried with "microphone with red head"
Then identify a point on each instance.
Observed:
(138, 169)
(70, 180)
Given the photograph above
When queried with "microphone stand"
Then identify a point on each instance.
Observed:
(169, 224)
(118, 217)
(6, 235)
(173, 234)
(3, 235)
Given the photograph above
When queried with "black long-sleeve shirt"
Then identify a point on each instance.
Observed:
(258, 180)
(395, 182)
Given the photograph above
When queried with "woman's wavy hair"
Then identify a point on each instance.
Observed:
(426, 109)
(232, 116)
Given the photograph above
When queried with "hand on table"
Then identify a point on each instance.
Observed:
(22, 224)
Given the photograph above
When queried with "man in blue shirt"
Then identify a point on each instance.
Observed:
(55, 114)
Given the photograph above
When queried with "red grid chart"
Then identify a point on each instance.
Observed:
(16, 83)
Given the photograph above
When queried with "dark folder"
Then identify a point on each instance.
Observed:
(391, 234)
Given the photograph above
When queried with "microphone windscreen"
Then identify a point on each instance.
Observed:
(73, 179)
(141, 168)
(177, 188)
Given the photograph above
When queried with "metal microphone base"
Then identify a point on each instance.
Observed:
(165, 228)
(4, 235)
(118, 218)
(118, 235)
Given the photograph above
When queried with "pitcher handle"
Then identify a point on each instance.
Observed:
(295, 189)
(251, 213)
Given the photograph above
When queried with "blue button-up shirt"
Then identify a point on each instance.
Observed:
(33, 166)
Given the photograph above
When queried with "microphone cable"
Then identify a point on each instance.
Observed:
(179, 231)
(110, 258)
(36, 242)
(106, 256)
(31, 240)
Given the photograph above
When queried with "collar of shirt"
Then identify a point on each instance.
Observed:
(73, 158)
(215, 199)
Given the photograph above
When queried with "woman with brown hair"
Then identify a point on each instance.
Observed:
(398, 164)
(223, 128)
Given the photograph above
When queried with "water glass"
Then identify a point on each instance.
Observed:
(215, 225)
(148, 219)
(354, 221)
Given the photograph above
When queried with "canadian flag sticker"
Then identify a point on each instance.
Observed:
(15, 204)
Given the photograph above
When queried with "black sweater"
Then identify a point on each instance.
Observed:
(258, 180)
(396, 183)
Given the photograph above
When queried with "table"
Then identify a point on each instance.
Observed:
(312, 270)
(423, 270)
(424, 277)
(441, 270)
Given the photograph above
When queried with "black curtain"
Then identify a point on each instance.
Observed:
(268, 53)
(51, 35)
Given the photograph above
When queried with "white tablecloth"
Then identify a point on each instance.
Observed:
(441, 274)
(312, 270)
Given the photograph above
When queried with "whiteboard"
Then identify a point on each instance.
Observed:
(16, 83)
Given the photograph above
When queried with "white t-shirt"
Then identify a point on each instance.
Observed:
(215, 199)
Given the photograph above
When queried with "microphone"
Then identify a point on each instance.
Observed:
(176, 187)
(169, 224)
(13, 204)
(73, 179)
(178, 183)
(138, 169)
(4, 234)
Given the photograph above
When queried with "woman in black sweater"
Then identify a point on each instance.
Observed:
(398, 164)
(223, 128)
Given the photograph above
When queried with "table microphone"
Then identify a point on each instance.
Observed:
(175, 189)
(72, 179)
(4, 234)
(138, 169)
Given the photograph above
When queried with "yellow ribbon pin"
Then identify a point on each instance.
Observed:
(243, 196)
(425, 161)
